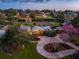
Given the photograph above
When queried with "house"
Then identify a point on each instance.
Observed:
(26, 28)
(46, 27)
(22, 27)
(37, 30)
(25, 18)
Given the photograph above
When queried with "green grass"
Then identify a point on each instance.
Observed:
(50, 17)
(55, 24)
(68, 57)
(28, 53)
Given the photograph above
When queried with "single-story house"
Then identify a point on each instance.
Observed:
(37, 30)
(46, 27)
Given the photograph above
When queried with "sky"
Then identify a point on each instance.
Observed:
(40, 4)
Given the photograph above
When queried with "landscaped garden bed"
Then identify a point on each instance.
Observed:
(50, 48)
(29, 52)
(55, 47)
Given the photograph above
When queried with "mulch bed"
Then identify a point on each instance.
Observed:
(50, 48)
(63, 47)
(53, 47)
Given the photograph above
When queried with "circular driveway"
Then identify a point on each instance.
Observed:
(46, 40)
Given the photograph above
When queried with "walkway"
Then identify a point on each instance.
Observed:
(46, 40)
(68, 43)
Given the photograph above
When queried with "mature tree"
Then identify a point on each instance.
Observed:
(2, 18)
(14, 38)
(11, 12)
(60, 15)
(75, 22)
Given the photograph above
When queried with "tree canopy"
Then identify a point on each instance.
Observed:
(75, 22)
(2, 18)
(14, 38)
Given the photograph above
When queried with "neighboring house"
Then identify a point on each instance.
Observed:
(37, 30)
(46, 27)
(33, 30)
(27, 19)
(24, 18)
(26, 28)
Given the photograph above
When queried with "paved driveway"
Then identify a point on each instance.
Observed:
(46, 40)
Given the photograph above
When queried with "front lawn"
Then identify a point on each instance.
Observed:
(56, 24)
(68, 57)
(50, 17)
(28, 53)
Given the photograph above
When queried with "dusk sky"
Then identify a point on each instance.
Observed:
(40, 4)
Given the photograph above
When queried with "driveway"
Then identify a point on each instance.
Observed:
(46, 40)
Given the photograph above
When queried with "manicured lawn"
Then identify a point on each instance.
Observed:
(55, 24)
(50, 17)
(28, 53)
(68, 57)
